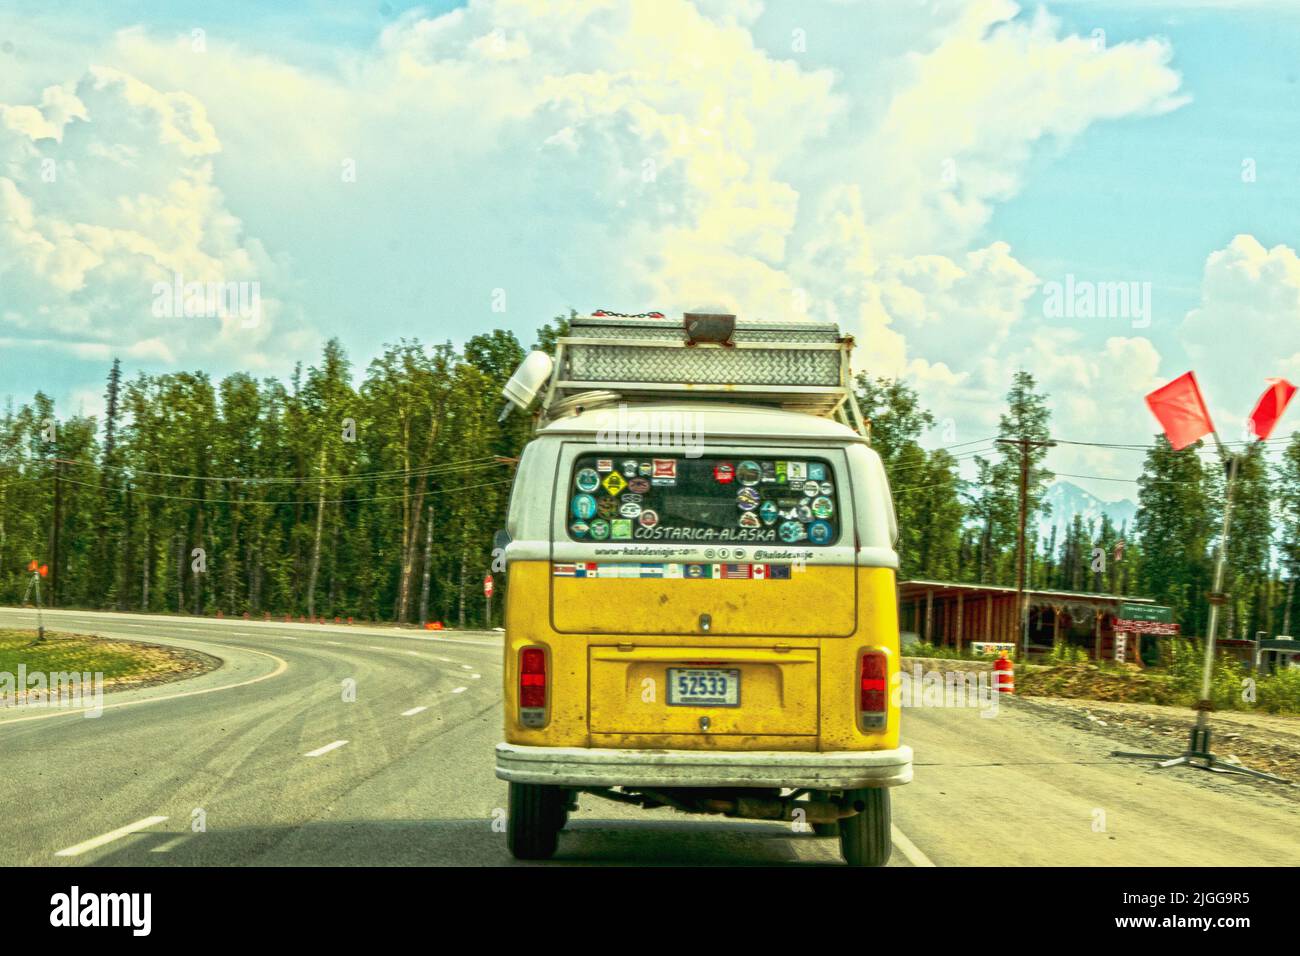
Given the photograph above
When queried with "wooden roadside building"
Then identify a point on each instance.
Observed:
(955, 615)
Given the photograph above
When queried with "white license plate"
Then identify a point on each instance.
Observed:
(703, 687)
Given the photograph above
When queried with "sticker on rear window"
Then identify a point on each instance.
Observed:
(707, 500)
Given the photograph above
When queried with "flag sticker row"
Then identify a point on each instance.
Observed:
(710, 572)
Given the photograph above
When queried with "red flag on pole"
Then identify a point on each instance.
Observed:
(1181, 411)
(1270, 406)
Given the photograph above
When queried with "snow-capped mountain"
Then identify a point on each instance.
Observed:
(1068, 499)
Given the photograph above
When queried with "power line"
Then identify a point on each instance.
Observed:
(292, 501)
(467, 464)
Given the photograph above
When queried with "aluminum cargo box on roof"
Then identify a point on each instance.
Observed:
(800, 366)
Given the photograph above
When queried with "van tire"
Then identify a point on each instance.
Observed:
(865, 836)
(535, 817)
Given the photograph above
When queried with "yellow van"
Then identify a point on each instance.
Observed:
(701, 609)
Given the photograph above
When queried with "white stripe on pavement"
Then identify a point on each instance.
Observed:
(281, 666)
(909, 849)
(171, 844)
(319, 751)
(413, 711)
(460, 690)
(110, 836)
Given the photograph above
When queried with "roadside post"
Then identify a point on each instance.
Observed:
(34, 584)
(1181, 411)
(488, 588)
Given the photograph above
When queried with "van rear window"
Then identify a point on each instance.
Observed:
(776, 500)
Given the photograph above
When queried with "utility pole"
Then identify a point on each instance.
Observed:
(54, 534)
(1024, 444)
(58, 464)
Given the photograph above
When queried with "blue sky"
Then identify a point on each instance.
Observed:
(776, 158)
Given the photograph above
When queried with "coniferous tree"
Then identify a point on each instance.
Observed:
(1174, 526)
(926, 486)
(1288, 503)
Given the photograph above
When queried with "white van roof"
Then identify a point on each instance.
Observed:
(710, 419)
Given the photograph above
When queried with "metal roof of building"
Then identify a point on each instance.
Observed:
(924, 584)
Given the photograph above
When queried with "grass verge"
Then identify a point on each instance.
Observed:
(122, 663)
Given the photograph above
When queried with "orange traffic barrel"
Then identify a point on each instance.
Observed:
(1004, 675)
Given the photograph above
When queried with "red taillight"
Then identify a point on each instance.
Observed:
(532, 678)
(873, 703)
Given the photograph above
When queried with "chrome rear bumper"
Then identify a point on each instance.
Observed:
(605, 767)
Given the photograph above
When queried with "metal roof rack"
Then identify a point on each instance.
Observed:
(795, 365)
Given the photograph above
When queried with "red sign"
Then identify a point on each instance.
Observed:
(487, 584)
(1158, 628)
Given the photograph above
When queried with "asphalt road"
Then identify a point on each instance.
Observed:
(281, 769)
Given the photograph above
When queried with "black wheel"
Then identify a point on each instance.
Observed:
(827, 829)
(536, 816)
(864, 837)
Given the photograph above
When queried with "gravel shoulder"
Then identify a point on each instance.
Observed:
(1261, 741)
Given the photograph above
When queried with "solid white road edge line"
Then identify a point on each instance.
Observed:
(110, 836)
(281, 666)
(319, 751)
(908, 848)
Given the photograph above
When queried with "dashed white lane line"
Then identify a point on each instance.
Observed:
(908, 848)
(413, 711)
(466, 667)
(320, 751)
(460, 690)
(373, 647)
(335, 643)
(171, 844)
(96, 842)
(414, 653)
(476, 676)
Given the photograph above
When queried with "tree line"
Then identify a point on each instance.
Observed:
(318, 497)
(312, 498)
